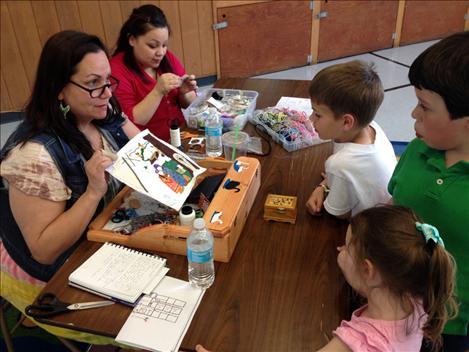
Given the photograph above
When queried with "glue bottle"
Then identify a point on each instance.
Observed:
(186, 216)
(200, 255)
(175, 134)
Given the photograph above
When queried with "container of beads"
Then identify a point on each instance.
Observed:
(233, 106)
(290, 128)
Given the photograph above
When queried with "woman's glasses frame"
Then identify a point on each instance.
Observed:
(98, 92)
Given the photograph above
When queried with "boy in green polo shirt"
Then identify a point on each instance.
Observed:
(432, 176)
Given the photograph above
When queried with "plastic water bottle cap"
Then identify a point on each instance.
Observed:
(199, 224)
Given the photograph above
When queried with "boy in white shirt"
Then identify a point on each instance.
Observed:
(345, 98)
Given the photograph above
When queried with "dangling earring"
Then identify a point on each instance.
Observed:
(64, 109)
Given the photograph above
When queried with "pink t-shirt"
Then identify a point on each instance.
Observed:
(364, 334)
(132, 89)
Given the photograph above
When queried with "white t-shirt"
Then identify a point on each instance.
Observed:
(358, 174)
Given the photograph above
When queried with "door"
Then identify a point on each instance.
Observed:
(264, 37)
(353, 27)
(425, 20)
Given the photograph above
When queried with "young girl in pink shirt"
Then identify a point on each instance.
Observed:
(401, 267)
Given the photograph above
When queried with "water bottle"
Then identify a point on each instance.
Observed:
(200, 255)
(213, 127)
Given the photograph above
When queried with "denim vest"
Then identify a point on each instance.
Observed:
(71, 166)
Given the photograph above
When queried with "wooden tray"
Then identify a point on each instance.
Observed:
(234, 206)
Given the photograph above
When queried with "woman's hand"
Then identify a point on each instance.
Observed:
(167, 82)
(95, 171)
(200, 348)
(188, 84)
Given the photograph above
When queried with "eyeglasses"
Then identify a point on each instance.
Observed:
(98, 92)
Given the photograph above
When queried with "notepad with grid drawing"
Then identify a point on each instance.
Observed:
(161, 319)
(118, 272)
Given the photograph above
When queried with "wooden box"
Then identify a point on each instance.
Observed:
(280, 208)
(226, 227)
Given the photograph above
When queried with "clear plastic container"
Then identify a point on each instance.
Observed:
(304, 138)
(239, 106)
(234, 145)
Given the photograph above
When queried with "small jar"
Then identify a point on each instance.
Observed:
(186, 216)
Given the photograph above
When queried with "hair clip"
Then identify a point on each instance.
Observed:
(430, 232)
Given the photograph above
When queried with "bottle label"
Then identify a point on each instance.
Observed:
(200, 257)
(213, 131)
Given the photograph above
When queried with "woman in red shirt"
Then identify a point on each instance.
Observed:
(153, 83)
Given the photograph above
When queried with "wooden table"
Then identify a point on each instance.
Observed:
(282, 289)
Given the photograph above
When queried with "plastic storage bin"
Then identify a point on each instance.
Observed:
(292, 129)
(236, 107)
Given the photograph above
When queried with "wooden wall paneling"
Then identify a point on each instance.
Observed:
(112, 21)
(466, 24)
(5, 103)
(207, 38)
(220, 4)
(91, 18)
(258, 38)
(171, 10)
(315, 31)
(425, 20)
(13, 71)
(47, 22)
(153, 2)
(127, 7)
(190, 37)
(355, 27)
(217, 40)
(26, 35)
(399, 21)
(67, 12)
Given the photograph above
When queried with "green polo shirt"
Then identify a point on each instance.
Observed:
(440, 196)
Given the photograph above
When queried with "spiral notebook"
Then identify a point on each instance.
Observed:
(119, 273)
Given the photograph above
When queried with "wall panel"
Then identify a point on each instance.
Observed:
(425, 20)
(112, 21)
(127, 6)
(91, 18)
(12, 66)
(26, 35)
(171, 10)
(207, 36)
(5, 103)
(190, 37)
(67, 12)
(47, 22)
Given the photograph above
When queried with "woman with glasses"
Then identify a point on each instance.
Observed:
(55, 163)
(153, 83)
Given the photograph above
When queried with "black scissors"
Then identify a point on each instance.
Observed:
(49, 305)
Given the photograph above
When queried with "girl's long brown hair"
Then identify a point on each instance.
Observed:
(411, 267)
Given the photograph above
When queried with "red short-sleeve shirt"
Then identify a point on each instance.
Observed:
(132, 90)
